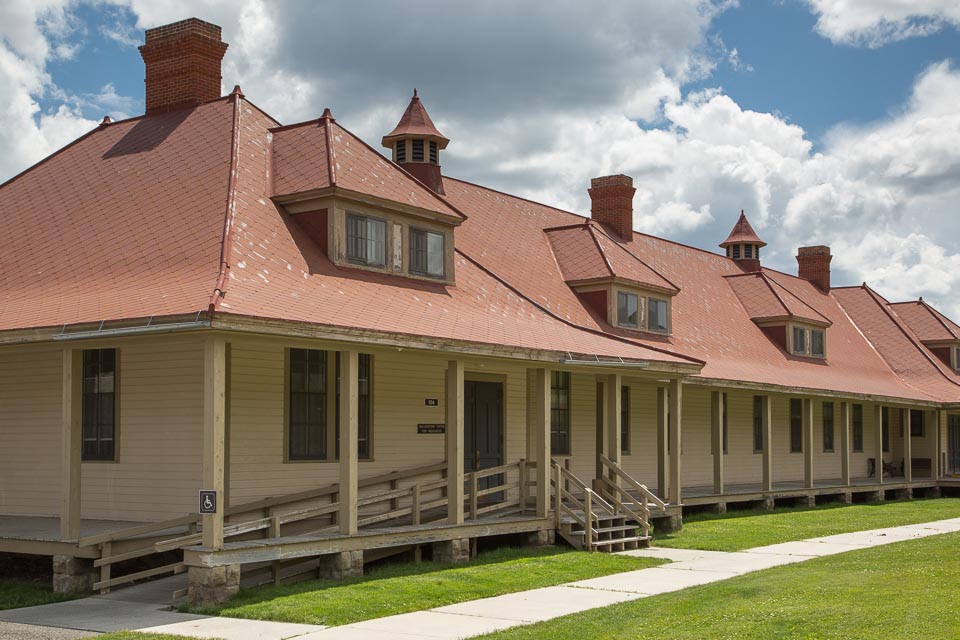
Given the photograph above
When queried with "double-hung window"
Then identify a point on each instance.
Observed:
(817, 343)
(624, 419)
(657, 315)
(427, 253)
(560, 413)
(857, 419)
(366, 240)
(628, 309)
(796, 425)
(757, 424)
(99, 404)
(799, 340)
(828, 427)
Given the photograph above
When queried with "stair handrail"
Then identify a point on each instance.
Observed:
(649, 498)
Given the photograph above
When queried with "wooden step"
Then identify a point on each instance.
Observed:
(604, 543)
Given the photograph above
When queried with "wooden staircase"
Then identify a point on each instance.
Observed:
(616, 521)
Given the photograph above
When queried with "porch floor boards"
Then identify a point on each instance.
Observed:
(705, 494)
(47, 528)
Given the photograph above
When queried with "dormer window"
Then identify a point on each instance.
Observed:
(366, 240)
(956, 359)
(628, 310)
(427, 253)
(657, 315)
(808, 341)
(417, 150)
(799, 341)
(817, 343)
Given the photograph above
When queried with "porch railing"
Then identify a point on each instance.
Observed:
(628, 495)
(586, 512)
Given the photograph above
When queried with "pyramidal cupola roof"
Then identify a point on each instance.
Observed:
(742, 233)
(416, 122)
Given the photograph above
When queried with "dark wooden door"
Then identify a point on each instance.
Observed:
(483, 429)
(953, 444)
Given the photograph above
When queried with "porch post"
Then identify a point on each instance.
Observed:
(541, 426)
(613, 416)
(907, 447)
(940, 426)
(767, 428)
(455, 442)
(662, 439)
(878, 445)
(676, 445)
(214, 430)
(71, 440)
(349, 447)
(845, 443)
(716, 420)
(808, 443)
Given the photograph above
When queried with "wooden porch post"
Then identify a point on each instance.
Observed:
(808, 443)
(845, 443)
(907, 446)
(349, 447)
(541, 427)
(455, 442)
(767, 427)
(71, 441)
(214, 430)
(613, 416)
(878, 445)
(663, 411)
(940, 426)
(716, 420)
(676, 445)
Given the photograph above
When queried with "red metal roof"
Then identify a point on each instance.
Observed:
(928, 323)
(765, 299)
(416, 122)
(742, 233)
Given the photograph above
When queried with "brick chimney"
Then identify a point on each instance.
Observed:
(814, 265)
(183, 64)
(611, 204)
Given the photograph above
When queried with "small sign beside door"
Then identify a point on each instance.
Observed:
(208, 501)
(431, 428)
(431, 402)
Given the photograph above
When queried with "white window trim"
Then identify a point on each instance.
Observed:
(808, 341)
(643, 309)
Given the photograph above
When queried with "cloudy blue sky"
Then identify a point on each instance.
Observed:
(828, 121)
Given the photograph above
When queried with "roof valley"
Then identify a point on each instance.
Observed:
(226, 241)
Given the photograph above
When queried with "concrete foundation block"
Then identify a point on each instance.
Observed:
(667, 524)
(73, 575)
(905, 494)
(845, 498)
(212, 585)
(541, 538)
(933, 492)
(807, 501)
(767, 503)
(876, 496)
(337, 566)
(720, 507)
(452, 551)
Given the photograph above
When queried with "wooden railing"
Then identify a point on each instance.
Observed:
(628, 495)
(586, 511)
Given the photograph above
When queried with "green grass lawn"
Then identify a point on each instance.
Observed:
(24, 592)
(402, 588)
(902, 590)
(738, 530)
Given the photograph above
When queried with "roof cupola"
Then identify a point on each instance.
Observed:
(743, 245)
(416, 144)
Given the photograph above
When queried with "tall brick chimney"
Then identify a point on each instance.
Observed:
(611, 203)
(814, 263)
(183, 64)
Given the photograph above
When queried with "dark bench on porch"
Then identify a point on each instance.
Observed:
(920, 466)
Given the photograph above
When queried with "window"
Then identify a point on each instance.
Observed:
(433, 152)
(757, 424)
(885, 428)
(366, 240)
(401, 151)
(315, 377)
(657, 315)
(799, 340)
(796, 425)
(916, 423)
(723, 421)
(417, 150)
(560, 413)
(628, 309)
(816, 343)
(956, 358)
(736, 252)
(624, 419)
(426, 253)
(748, 251)
(857, 420)
(99, 404)
(308, 404)
(828, 427)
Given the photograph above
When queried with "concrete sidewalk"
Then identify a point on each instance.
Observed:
(689, 568)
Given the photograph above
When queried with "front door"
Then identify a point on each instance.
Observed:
(483, 429)
(953, 444)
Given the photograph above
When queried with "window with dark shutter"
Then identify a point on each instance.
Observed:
(99, 404)
(857, 420)
(796, 425)
(828, 427)
(308, 404)
(757, 424)
(560, 413)
(624, 419)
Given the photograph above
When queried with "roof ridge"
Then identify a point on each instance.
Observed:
(570, 323)
(636, 257)
(603, 254)
(794, 296)
(908, 334)
(939, 317)
(226, 242)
